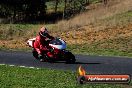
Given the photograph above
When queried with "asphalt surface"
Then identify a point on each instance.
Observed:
(92, 64)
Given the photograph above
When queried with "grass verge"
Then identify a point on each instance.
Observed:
(16, 77)
(87, 49)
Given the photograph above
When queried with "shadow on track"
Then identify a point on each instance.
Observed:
(86, 63)
(77, 62)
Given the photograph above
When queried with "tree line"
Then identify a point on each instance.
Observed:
(22, 9)
(32, 10)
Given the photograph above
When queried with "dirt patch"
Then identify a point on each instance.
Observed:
(89, 35)
(13, 44)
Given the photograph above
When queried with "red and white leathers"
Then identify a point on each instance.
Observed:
(40, 44)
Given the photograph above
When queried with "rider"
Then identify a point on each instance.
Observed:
(40, 44)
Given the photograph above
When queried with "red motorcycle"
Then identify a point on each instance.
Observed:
(57, 51)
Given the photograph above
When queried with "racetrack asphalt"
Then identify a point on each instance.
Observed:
(92, 64)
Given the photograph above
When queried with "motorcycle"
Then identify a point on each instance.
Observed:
(57, 51)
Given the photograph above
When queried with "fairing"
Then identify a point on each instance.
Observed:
(58, 44)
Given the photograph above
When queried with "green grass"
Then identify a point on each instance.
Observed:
(94, 1)
(95, 50)
(11, 31)
(121, 19)
(16, 77)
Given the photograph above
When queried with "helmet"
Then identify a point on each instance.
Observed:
(43, 32)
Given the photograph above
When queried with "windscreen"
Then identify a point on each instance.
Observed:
(56, 42)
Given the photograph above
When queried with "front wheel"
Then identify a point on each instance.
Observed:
(70, 58)
(41, 59)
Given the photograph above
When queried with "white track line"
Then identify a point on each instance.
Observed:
(20, 66)
(11, 65)
(31, 67)
(2, 64)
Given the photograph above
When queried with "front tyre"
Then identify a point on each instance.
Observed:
(70, 58)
